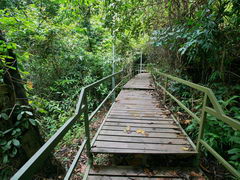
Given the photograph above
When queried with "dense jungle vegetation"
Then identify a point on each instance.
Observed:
(49, 49)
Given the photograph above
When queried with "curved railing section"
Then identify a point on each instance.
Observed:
(210, 106)
(37, 160)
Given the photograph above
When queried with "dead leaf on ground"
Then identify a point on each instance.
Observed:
(187, 121)
(127, 129)
(172, 173)
(195, 174)
(180, 113)
(148, 172)
(167, 112)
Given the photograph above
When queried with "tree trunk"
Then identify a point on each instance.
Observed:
(15, 94)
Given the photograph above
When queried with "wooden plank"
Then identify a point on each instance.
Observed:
(94, 177)
(107, 150)
(134, 129)
(135, 108)
(158, 119)
(141, 114)
(134, 171)
(149, 125)
(177, 148)
(142, 140)
(139, 117)
(157, 111)
(140, 121)
(134, 134)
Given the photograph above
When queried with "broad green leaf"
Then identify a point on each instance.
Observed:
(16, 142)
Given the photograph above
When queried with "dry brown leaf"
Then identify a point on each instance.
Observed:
(187, 121)
(195, 174)
(185, 149)
(167, 112)
(148, 172)
(172, 173)
(140, 131)
(146, 134)
(180, 113)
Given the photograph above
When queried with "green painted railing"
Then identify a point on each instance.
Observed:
(37, 160)
(210, 106)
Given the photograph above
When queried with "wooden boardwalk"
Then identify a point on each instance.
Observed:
(136, 124)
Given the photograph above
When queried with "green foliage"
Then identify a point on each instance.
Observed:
(206, 42)
(10, 138)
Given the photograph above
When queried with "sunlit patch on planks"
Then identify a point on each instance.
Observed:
(136, 124)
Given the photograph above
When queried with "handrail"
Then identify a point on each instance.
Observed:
(36, 161)
(216, 111)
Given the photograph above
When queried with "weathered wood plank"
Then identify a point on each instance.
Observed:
(132, 171)
(140, 125)
(134, 129)
(92, 177)
(174, 148)
(108, 150)
(159, 119)
(139, 121)
(143, 140)
(132, 134)
(137, 173)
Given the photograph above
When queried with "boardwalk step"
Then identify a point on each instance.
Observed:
(137, 173)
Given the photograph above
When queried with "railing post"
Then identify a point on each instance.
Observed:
(201, 126)
(141, 63)
(113, 71)
(164, 93)
(87, 131)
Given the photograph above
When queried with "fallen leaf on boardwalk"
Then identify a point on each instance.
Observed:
(169, 142)
(127, 129)
(140, 131)
(185, 148)
(146, 134)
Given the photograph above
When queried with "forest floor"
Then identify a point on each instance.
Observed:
(67, 153)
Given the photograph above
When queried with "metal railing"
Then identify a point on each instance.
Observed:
(37, 160)
(210, 106)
